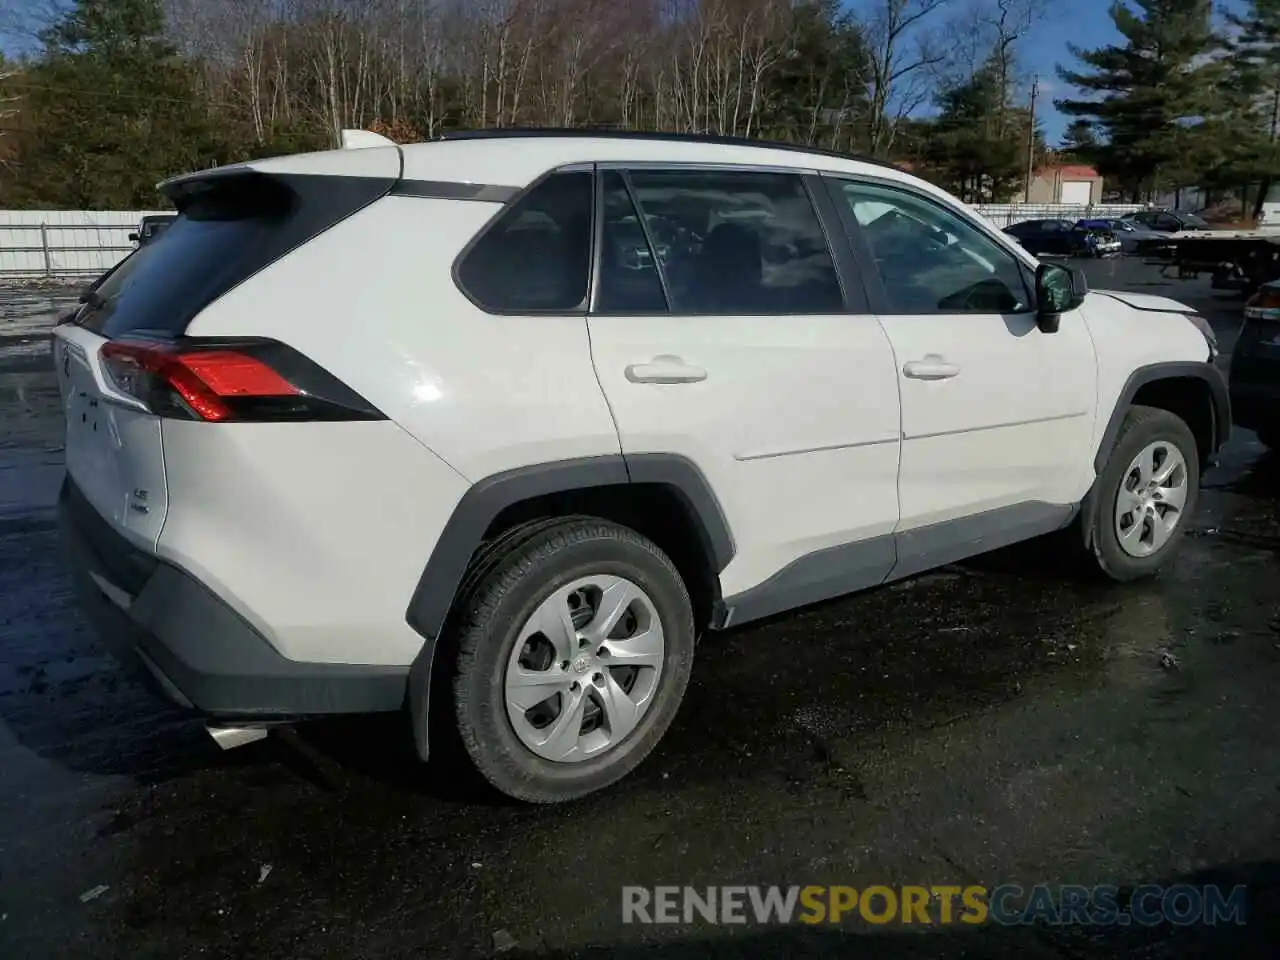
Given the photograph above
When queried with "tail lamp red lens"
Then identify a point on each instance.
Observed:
(208, 381)
(1263, 305)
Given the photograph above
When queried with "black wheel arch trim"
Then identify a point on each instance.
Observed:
(1169, 370)
(486, 499)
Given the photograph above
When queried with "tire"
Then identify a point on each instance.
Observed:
(1144, 428)
(535, 571)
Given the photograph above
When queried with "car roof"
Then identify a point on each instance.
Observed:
(515, 157)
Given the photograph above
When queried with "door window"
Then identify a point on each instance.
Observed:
(731, 242)
(629, 280)
(537, 256)
(931, 259)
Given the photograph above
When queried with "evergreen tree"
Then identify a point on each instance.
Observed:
(1080, 141)
(978, 146)
(109, 110)
(1255, 62)
(1145, 94)
(817, 93)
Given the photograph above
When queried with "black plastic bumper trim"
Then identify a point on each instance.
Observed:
(203, 654)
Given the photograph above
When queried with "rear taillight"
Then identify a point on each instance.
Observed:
(223, 381)
(1263, 305)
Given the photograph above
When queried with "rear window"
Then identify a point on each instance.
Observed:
(216, 242)
(231, 224)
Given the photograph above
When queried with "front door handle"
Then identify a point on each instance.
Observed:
(932, 367)
(665, 369)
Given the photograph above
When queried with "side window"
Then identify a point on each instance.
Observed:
(737, 242)
(931, 259)
(629, 281)
(537, 256)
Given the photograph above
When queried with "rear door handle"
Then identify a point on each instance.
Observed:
(932, 367)
(665, 369)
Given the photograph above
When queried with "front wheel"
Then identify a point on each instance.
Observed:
(573, 654)
(1145, 495)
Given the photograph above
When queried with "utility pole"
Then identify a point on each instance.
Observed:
(1031, 138)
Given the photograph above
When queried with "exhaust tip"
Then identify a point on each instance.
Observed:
(229, 737)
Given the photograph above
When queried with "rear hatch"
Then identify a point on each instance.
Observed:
(1256, 355)
(124, 365)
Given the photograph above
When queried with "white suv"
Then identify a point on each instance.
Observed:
(489, 429)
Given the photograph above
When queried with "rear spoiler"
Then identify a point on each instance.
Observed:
(270, 176)
(182, 190)
(356, 139)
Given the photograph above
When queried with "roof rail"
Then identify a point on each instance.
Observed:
(610, 133)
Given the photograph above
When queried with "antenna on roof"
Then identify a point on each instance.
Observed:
(356, 139)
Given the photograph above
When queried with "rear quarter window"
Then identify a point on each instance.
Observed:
(536, 257)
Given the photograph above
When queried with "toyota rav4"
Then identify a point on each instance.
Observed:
(488, 430)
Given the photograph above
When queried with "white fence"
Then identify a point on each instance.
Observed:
(64, 243)
(84, 243)
(1006, 214)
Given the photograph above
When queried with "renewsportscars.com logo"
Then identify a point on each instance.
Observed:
(1008, 904)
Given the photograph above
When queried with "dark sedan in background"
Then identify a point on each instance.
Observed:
(1064, 238)
(1136, 237)
(1168, 221)
(152, 226)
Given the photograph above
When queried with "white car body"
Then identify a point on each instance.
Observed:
(322, 538)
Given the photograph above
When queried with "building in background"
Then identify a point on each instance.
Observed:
(1066, 183)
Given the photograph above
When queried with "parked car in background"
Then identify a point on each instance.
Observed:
(1255, 366)
(1169, 221)
(1100, 237)
(151, 227)
(1137, 238)
(1062, 238)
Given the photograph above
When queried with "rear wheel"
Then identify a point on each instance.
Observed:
(1145, 495)
(573, 654)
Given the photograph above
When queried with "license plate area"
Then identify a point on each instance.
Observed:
(114, 453)
(1269, 336)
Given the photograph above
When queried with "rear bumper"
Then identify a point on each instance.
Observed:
(172, 631)
(1255, 404)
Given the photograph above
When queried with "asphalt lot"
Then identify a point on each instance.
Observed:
(996, 722)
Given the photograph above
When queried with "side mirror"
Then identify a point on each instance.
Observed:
(1059, 290)
(133, 238)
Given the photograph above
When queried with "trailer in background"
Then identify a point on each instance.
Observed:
(1234, 259)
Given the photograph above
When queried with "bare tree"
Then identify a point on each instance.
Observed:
(903, 53)
(8, 105)
(1002, 24)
